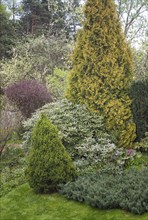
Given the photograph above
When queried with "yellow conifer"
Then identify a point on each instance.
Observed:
(102, 70)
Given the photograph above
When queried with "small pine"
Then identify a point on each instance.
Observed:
(48, 162)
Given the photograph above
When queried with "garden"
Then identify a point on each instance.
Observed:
(74, 110)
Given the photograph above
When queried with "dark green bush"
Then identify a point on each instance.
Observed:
(48, 163)
(127, 191)
(133, 191)
(139, 95)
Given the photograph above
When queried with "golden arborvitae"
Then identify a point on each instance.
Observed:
(102, 70)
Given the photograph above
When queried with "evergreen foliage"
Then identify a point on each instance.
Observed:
(48, 163)
(139, 95)
(143, 144)
(7, 33)
(83, 135)
(102, 70)
(74, 122)
(40, 16)
(98, 153)
(127, 191)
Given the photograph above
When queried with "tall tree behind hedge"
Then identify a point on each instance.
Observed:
(102, 70)
(139, 95)
(54, 16)
(37, 17)
(7, 33)
(139, 91)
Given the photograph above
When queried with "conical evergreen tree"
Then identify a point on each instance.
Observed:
(48, 162)
(102, 70)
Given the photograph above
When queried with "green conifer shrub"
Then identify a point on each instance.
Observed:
(139, 95)
(48, 162)
(102, 70)
(74, 122)
(127, 191)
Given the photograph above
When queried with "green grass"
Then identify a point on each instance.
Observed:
(23, 204)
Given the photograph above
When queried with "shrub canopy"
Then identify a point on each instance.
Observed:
(28, 95)
(82, 133)
(74, 122)
(127, 191)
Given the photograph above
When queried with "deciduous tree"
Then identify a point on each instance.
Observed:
(28, 95)
(133, 15)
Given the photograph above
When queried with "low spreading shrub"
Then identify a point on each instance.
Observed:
(12, 156)
(48, 162)
(138, 160)
(12, 167)
(143, 144)
(10, 122)
(127, 191)
(11, 178)
(99, 152)
(133, 191)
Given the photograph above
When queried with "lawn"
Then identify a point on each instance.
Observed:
(23, 204)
